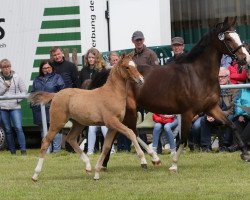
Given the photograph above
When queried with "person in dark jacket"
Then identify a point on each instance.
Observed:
(48, 81)
(66, 69)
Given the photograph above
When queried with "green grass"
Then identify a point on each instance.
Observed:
(200, 176)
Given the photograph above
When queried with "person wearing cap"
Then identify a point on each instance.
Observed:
(177, 44)
(142, 54)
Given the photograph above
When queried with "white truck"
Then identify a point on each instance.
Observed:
(28, 29)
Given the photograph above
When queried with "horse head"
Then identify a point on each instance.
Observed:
(230, 41)
(128, 69)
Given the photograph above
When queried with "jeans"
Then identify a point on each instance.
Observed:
(56, 142)
(223, 133)
(92, 137)
(169, 133)
(194, 136)
(14, 117)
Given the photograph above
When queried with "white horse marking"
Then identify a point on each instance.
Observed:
(236, 38)
(132, 63)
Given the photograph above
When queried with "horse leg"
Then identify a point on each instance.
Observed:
(108, 141)
(57, 121)
(71, 138)
(53, 130)
(115, 124)
(130, 120)
(217, 113)
(186, 120)
(155, 159)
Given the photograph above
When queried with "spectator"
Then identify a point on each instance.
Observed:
(69, 74)
(208, 123)
(237, 73)
(12, 84)
(66, 69)
(142, 56)
(195, 132)
(242, 118)
(48, 81)
(226, 61)
(167, 123)
(94, 63)
(177, 44)
(113, 59)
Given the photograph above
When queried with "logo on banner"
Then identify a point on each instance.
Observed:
(2, 33)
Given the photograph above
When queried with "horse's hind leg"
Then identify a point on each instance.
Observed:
(219, 115)
(186, 120)
(57, 122)
(71, 138)
(105, 150)
(44, 147)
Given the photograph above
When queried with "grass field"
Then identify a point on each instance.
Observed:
(200, 176)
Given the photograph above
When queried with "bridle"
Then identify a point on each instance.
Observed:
(221, 37)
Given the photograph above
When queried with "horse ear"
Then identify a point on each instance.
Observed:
(123, 55)
(225, 20)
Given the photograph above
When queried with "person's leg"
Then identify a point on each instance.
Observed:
(195, 133)
(5, 115)
(156, 134)
(91, 139)
(205, 134)
(169, 133)
(57, 142)
(16, 118)
(104, 133)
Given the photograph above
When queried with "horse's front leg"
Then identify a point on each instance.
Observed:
(117, 125)
(155, 159)
(217, 113)
(108, 141)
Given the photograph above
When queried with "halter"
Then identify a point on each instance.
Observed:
(221, 37)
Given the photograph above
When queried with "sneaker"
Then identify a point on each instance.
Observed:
(173, 151)
(23, 153)
(112, 151)
(90, 153)
(233, 148)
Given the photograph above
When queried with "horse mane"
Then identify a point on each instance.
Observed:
(205, 41)
(99, 79)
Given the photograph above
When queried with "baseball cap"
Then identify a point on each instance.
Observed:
(177, 40)
(137, 35)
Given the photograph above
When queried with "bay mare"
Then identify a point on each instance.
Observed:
(102, 106)
(188, 86)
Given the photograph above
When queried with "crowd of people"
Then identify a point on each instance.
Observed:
(57, 73)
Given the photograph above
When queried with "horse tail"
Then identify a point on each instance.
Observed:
(37, 98)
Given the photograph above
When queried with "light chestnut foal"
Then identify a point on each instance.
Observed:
(102, 106)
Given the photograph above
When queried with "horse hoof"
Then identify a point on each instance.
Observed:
(173, 169)
(34, 180)
(245, 157)
(144, 166)
(88, 171)
(156, 163)
(103, 169)
(96, 177)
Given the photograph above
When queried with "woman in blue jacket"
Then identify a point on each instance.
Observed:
(242, 118)
(48, 81)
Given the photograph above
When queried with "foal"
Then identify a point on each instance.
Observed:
(102, 106)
